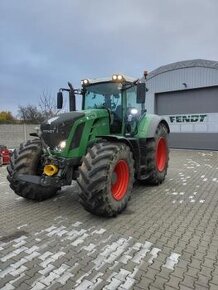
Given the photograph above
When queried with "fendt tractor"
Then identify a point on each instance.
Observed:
(107, 146)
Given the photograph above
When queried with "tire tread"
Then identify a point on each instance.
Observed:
(25, 160)
(95, 177)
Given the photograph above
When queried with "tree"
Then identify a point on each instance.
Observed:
(33, 114)
(6, 117)
(47, 106)
(30, 114)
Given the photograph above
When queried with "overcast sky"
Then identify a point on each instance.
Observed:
(45, 43)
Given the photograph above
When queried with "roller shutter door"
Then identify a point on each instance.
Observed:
(192, 116)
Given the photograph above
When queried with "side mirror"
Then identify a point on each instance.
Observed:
(141, 89)
(72, 100)
(59, 100)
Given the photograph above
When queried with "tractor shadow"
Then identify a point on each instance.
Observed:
(69, 197)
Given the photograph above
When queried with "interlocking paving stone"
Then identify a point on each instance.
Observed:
(166, 239)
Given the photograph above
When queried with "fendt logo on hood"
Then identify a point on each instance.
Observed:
(48, 131)
(188, 118)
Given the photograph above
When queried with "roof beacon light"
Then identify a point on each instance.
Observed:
(85, 82)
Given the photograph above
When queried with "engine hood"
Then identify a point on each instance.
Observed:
(57, 129)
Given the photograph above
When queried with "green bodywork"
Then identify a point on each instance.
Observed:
(96, 125)
(97, 122)
(143, 126)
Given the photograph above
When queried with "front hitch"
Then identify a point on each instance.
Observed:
(52, 181)
(56, 173)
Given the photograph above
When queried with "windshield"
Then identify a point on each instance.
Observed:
(103, 95)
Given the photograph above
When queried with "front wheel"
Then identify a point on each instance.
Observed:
(157, 156)
(106, 178)
(27, 160)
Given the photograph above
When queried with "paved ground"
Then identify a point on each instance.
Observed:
(166, 239)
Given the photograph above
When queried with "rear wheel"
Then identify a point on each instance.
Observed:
(27, 160)
(106, 178)
(157, 156)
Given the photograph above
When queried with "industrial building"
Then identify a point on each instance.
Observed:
(186, 94)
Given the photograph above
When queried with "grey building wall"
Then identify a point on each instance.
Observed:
(12, 135)
(180, 92)
(195, 73)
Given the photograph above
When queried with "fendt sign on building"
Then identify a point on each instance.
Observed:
(200, 123)
(188, 123)
(186, 95)
(187, 118)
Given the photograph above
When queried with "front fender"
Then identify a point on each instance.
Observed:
(148, 125)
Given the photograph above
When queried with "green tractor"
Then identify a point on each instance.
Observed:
(105, 147)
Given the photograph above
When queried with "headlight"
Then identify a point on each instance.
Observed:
(133, 111)
(61, 146)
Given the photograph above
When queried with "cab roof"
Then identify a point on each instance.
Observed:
(108, 79)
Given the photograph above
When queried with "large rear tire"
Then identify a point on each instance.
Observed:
(157, 157)
(27, 160)
(106, 178)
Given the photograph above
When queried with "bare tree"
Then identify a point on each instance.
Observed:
(47, 105)
(46, 110)
(30, 114)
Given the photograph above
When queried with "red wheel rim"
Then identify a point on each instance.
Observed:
(120, 185)
(161, 154)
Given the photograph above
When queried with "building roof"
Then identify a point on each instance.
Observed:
(184, 64)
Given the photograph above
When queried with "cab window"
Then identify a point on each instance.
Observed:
(131, 100)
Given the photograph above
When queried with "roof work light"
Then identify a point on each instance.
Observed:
(117, 77)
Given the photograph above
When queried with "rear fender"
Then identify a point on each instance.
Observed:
(148, 125)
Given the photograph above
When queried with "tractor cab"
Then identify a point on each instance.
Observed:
(119, 96)
(122, 96)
